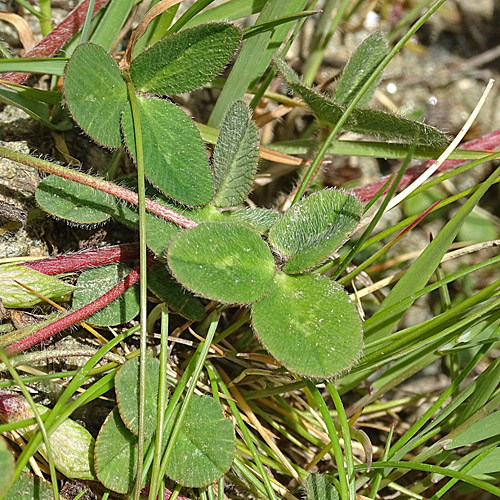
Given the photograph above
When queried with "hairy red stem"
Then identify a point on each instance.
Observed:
(100, 184)
(488, 142)
(85, 259)
(76, 316)
(56, 39)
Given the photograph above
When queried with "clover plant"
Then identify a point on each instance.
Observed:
(257, 258)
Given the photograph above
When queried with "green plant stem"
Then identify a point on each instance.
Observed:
(45, 17)
(322, 39)
(324, 148)
(189, 393)
(99, 184)
(334, 439)
(87, 24)
(162, 403)
(143, 284)
(375, 485)
(39, 421)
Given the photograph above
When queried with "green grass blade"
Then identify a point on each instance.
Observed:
(112, 22)
(44, 65)
(424, 267)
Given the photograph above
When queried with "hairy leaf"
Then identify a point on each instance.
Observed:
(95, 93)
(223, 261)
(116, 454)
(261, 219)
(204, 448)
(359, 68)
(6, 466)
(73, 201)
(363, 121)
(175, 159)
(319, 488)
(186, 60)
(235, 157)
(127, 394)
(309, 324)
(166, 288)
(93, 283)
(314, 228)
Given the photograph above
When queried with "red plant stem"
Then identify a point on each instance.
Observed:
(56, 39)
(168, 494)
(76, 316)
(488, 142)
(85, 259)
(100, 184)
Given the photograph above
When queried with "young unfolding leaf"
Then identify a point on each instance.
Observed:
(362, 121)
(319, 488)
(204, 448)
(309, 324)
(222, 261)
(116, 454)
(186, 60)
(175, 159)
(15, 296)
(359, 68)
(95, 93)
(127, 394)
(261, 219)
(96, 282)
(166, 288)
(314, 228)
(73, 201)
(235, 157)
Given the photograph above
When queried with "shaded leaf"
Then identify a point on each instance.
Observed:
(223, 261)
(490, 464)
(73, 201)
(309, 324)
(127, 394)
(363, 121)
(116, 454)
(235, 157)
(15, 296)
(93, 283)
(185, 60)
(359, 68)
(314, 228)
(167, 289)
(95, 93)
(28, 487)
(175, 159)
(204, 448)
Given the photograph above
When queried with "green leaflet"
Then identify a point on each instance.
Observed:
(116, 454)
(74, 201)
(93, 283)
(204, 448)
(314, 228)
(309, 324)
(182, 172)
(362, 121)
(127, 394)
(166, 288)
(235, 157)
(186, 60)
(15, 296)
(96, 93)
(359, 68)
(222, 261)
(261, 219)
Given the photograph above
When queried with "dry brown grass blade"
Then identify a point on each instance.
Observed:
(25, 34)
(158, 9)
(276, 156)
